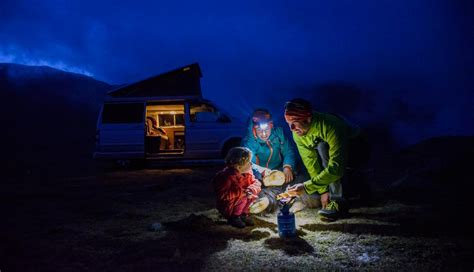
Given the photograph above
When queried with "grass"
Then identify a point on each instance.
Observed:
(101, 222)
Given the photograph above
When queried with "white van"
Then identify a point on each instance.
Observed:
(145, 120)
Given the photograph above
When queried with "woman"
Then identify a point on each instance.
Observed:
(271, 150)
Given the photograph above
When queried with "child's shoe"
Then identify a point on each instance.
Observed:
(235, 221)
(247, 219)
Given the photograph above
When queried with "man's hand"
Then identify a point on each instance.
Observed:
(288, 174)
(325, 199)
(296, 190)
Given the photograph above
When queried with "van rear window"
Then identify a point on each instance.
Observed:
(123, 113)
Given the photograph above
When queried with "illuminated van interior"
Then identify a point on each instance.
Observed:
(164, 129)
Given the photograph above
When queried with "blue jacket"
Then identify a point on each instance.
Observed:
(275, 153)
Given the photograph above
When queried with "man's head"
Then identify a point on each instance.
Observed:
(298, 114)
(239, 158)
(262, 123)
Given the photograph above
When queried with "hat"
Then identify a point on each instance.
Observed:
(297, 109)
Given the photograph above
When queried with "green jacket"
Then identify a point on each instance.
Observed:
(335, 131)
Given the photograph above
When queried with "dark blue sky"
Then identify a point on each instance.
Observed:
(416, 53)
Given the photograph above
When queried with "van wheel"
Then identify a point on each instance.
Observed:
(233, 142)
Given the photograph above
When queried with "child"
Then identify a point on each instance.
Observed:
(236, 187)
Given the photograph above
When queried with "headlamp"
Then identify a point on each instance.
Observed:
(263, 126)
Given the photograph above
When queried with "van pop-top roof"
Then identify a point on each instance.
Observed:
(184, 81)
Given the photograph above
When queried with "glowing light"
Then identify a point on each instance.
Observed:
(263, 126)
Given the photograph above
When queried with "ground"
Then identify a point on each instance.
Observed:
(151, 219)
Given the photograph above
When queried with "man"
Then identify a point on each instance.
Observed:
(272, 151)
(325, 142)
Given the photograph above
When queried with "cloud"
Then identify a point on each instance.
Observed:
(21, 58)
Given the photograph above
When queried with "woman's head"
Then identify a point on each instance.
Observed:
(151, 121)
(262, 124)
(240, 158)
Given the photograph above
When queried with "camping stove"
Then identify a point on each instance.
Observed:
(286, 219)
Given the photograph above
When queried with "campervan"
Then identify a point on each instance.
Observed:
(165, 118)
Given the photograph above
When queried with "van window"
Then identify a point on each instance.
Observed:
(207, 110)
(122, 113)
(170, 120)
(179, 119)
(165, 120)
(204, 112)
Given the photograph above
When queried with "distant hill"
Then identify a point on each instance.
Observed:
(47, 113)
(44, 81)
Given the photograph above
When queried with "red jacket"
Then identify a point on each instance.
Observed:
(230, 185)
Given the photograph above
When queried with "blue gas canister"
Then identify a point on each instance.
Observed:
(286, 222)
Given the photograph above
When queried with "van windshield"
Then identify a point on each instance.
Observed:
(123, 113)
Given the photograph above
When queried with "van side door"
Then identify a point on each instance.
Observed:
(122, 130)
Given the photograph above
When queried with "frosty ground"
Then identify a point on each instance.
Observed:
(100, 220)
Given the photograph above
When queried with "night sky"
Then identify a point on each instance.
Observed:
(412, 62)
